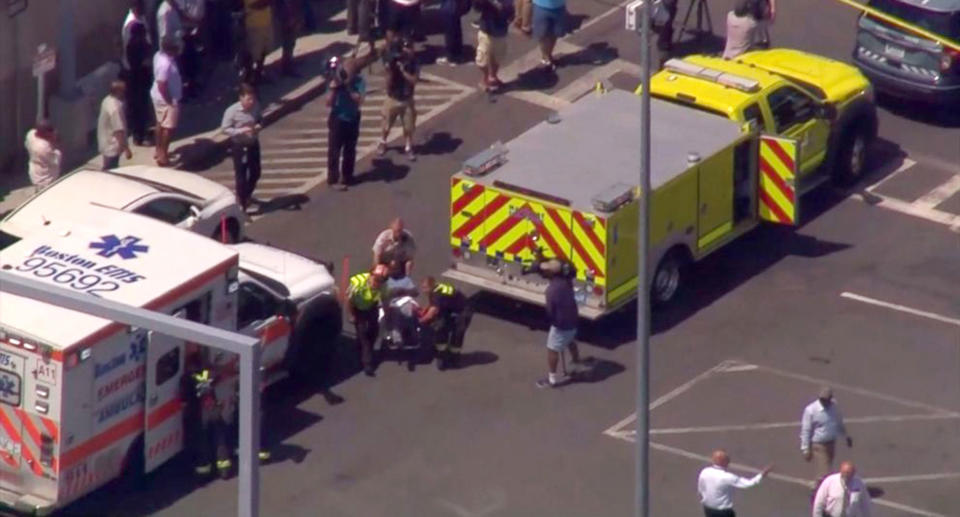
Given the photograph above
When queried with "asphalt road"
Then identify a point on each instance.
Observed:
(861, 295)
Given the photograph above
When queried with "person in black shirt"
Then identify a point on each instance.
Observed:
(138, 71)
(404, 72)
(562, 314)
(448, 314)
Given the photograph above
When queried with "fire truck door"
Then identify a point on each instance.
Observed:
(163, 435)
(11, 430)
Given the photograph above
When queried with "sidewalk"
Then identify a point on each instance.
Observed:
(199, 143)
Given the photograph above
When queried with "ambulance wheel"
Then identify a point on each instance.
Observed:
(133, 476)
(314, 339)
(667, 280)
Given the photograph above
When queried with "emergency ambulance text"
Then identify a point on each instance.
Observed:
(120, 382)
(113, 409)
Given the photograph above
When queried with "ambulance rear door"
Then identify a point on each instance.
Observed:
(11, 427)
(163, 426)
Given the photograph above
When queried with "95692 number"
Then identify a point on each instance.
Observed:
(72, 277)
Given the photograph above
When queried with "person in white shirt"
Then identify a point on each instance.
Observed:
(741, 29)
(166, 93)
(820, 427)
(716, 485)
(842, 495)
(169, 22)
(45, 154)
(395, 243)
(112, 128)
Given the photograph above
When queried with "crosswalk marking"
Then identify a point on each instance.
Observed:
(293, 152)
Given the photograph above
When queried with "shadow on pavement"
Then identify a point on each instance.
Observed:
(597, 54)
(286, 202)
(939, 116)
(440, 142)
(599, 371)
(385, 170)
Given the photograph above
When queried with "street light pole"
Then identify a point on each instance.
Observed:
(643, 288)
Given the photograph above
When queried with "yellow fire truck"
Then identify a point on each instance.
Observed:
(567, 189)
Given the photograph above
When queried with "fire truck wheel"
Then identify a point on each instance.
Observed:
(667, 280)
(314, 338)
(853, 152)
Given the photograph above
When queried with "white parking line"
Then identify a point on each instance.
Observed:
(940, 194)
(901, 308)
(794, 423)
(789, 479)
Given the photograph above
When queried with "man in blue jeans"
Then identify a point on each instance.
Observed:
(562, 313)
(549, 23)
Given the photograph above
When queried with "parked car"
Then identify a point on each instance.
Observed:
(280, 288)
(903, 64)
(182, 199)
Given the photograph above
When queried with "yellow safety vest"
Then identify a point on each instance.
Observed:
(362, 295)
(445, 289)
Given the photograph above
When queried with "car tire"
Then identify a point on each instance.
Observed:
(667, 281)
(853, 153)
(314, 339)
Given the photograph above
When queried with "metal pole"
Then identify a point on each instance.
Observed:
(248, 497)
(643, 289)
(67, 49)
(41, 95)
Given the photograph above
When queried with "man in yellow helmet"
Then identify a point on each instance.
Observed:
(363, 301)
(204, 432)
(448, 314)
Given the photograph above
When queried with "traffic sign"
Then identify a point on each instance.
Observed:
(44, 61)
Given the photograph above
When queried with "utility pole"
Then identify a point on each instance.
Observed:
(643, 288)
(67, 49)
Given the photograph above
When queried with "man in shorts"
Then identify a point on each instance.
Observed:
(549, 24)
(258, 17)
(166, 93)
(403, 74)
(562, 313)
(495, 16)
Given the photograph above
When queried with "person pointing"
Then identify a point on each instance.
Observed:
(716, 485)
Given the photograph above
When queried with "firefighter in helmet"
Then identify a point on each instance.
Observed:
(448, 314)
(203, 426)
(363, 301)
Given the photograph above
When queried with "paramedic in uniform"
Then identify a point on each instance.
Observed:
(363, 301)
(448, 314)
(202, 426)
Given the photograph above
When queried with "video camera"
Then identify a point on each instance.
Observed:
(395, 51)
(549, 268)
(335, 70)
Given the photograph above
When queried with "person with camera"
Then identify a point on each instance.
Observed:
(562, 313)
(403, 72)
(242, 122)
(347, 90)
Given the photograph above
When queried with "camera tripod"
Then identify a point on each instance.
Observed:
(703, 15)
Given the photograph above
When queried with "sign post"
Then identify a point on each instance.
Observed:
(43, 62)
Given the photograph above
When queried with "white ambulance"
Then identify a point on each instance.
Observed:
(84, 400)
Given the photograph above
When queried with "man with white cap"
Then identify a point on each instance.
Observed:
(820, 427)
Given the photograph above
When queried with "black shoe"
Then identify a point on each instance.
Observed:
(441, 361)
(369, 371)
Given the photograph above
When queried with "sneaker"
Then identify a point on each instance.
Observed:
(443, 60)
(368, 371)
(264, 455)
(412, 156)
(203, 470)
(381, 148)
(545, 382)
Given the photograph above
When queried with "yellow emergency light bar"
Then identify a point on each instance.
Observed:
(943, 40)
(744, 84)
